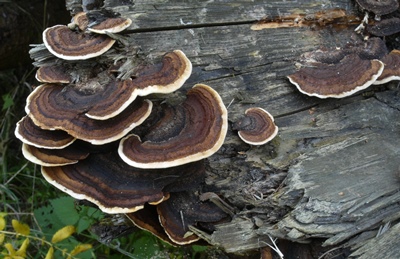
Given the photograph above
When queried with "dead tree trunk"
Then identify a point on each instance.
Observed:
(333, 170)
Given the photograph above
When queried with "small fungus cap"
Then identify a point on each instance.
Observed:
(81, 20)
(350, 75)
(53, 157)
(52, 74)
(111, 25)
(33, 135)
(194, 130)
(257, 127)
(147, 219)
(392, 68)
(373, 48)
(71, 45)
(385, 27)
(184, 209)
(379, 7)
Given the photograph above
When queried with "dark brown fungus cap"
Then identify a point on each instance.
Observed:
(385, 27)
(188, 132)
(349, 76)
(71, 45)
(379, 7)
(29, 133)
(52, 108)
(147, 219)
(105, 180)
(91, 98)
(257, 127)
(392, 68)
(52, 74)
(165, 77)
(111, 25)
(53, 157)
(184, 209)
(373, 48)
(193, 176)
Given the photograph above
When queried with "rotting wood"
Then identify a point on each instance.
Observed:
(338, 159)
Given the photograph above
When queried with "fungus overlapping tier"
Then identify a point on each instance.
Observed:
(194, 130)
(342, 72)
(75, 122)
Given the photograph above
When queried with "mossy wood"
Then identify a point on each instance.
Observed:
(333, 170)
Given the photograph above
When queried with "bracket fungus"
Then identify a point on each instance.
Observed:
(379, 7)
(115, 187)
(51, 108)
(147, 219)
(373, 48)
(184, 209)
(53, 157)
(52, 74)
(192, 131)
(392, 68)
(111, 25)
(385, 27)
(31, 134)
(80, 19)
(77, 120)
(257, 127)
(67, 44)
(97, 22)
(350, 75)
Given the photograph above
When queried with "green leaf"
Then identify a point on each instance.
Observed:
(47, 220)
(64, 209)
(83, 224)
(199, 249)
(7, 101)
(95, 214)
(146, 246)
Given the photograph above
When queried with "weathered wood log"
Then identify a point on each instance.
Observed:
(333, 170)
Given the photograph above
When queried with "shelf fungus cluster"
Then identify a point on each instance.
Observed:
(342, 72)
(98, 138)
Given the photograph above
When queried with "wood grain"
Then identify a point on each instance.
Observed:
(333, 170)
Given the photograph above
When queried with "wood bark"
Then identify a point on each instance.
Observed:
(333, 170)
